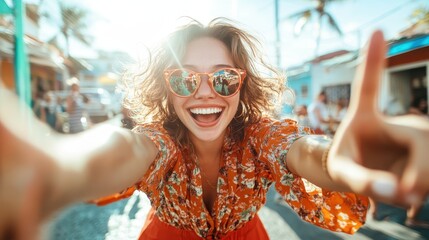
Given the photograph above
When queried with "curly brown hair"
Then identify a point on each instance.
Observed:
(147, 94)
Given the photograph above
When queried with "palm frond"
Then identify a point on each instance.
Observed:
(299, 14)
(301, 22)
(333, 24)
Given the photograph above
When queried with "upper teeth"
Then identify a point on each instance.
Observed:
(206, 110)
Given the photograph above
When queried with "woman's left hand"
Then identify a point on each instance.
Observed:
(383, 157)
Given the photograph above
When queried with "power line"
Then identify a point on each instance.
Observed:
(386, 14)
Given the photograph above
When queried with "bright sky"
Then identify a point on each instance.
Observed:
(128, 25)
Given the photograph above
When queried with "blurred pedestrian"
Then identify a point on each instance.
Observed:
(318, 114)
(419, 106)
(37, 102)
(338, 116)
(302, 115)
(395, 107)
(206, 158)
(50, 108)
(341, 110)
(77, 117)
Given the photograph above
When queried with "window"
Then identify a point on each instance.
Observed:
(304, 91)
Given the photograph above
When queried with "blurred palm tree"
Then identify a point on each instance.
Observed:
(419, 23)
(73, 25)
(420, 15)
(305, 16)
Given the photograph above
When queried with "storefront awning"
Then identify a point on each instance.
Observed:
(38, 52)
(402, 46)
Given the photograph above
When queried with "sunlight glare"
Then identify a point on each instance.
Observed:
(137, 25)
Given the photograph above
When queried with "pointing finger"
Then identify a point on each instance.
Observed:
(364, 96)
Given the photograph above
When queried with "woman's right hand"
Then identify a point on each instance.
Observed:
(25, 173)
(23, 187)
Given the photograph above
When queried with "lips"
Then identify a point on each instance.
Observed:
(206, 116)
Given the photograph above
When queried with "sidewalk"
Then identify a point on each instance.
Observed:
(124, 220)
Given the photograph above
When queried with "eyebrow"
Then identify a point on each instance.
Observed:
(214, 67)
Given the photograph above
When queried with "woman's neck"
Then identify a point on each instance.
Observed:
(207, 150)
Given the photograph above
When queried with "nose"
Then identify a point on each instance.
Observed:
(204, 90)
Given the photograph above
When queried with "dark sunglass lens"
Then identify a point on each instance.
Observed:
(226, 82)
(183, 83)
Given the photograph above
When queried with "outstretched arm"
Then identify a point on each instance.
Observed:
(42, 171)
(372, 154)
(305, 158)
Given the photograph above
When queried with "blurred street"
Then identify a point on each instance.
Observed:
(124, 220)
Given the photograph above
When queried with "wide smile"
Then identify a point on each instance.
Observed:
(207, 116)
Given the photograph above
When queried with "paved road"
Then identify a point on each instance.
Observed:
(124, 219)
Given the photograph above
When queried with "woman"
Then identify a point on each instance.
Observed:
(205, 152)
(75, 102)
(218, 154)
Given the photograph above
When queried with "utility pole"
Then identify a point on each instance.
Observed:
(278, 40)
(21, 66)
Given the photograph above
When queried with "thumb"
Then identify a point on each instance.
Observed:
(378, 184)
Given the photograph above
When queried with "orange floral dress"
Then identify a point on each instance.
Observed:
(247, 170)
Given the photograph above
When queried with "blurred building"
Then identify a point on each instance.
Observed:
(331, 72)
(48, 67)
(104, 74)
(106, 70)
(407, 70)
(299, 79)
(46, 62)
(405, 76)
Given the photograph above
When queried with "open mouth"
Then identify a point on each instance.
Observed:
(206, 115)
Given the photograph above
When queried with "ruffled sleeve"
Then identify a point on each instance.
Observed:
(156, 176)
(336, 211)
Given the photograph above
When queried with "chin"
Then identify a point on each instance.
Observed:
(208, 136)
(208, 133)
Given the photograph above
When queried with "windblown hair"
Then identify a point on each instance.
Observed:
(147, 93)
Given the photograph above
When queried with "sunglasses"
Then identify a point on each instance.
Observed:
(226, 82)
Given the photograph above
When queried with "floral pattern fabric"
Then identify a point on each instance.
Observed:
(247, 169)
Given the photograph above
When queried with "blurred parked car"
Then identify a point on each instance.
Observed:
(99, 107)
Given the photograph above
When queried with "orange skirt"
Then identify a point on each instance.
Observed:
(155, 229)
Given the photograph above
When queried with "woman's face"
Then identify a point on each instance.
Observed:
(206, 54)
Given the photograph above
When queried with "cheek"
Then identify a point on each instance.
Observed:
(234, 103)
(177, 104)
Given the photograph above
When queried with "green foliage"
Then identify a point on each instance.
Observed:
(73, 24)
(420, 15)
